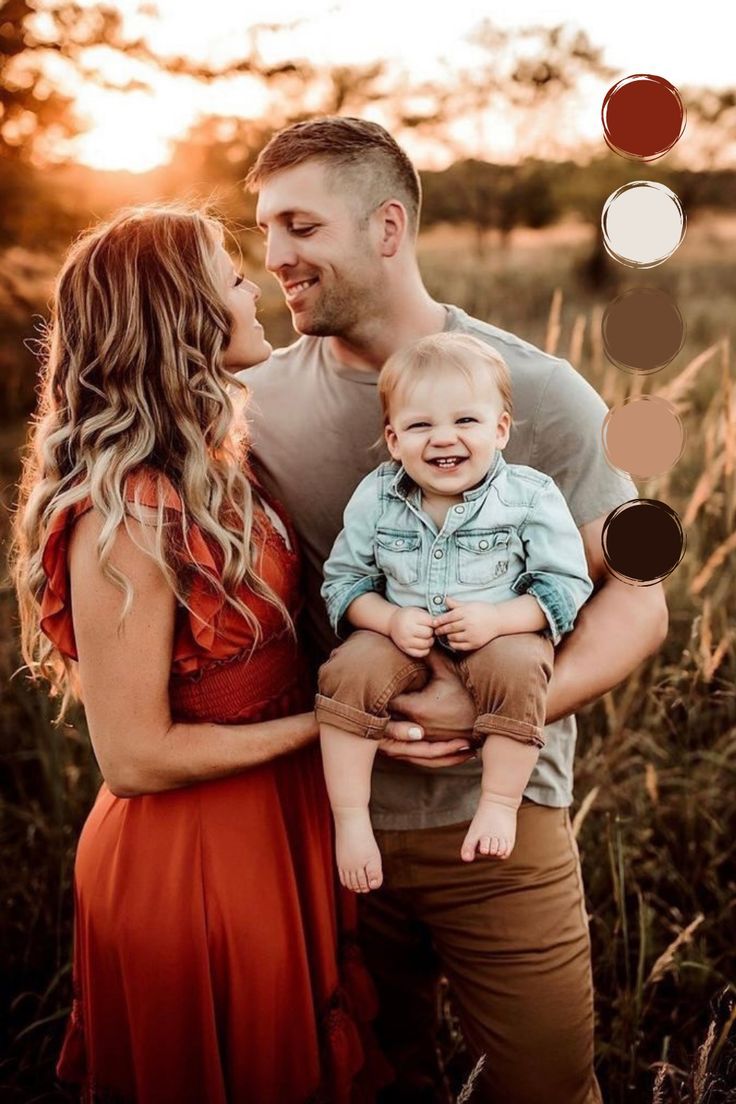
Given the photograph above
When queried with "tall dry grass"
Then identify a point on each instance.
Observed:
(656, 820)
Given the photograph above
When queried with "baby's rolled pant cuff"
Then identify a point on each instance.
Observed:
(494, 724)
(349, 719)
(360, 679)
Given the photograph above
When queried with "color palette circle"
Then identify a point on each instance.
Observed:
(643, 224)
(642, 330)
(643, 541)
(643, 116)
(643, 436)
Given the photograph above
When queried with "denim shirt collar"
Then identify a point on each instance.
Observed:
(404, 487)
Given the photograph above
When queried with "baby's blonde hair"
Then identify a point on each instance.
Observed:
(435, 355)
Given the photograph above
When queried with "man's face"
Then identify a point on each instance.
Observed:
(325, 259)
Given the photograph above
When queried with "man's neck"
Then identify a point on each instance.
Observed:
(403, 322)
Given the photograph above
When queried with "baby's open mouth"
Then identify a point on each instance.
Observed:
(447, 462)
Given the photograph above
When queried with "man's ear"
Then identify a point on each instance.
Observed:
(391, 441)
(392, 226)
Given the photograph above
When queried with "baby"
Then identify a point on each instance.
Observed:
(445, 546)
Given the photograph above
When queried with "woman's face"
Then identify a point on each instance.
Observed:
(248, 345)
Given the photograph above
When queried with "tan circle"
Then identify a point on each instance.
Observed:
(643, 436)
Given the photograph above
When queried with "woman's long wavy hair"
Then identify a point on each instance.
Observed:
(133, 377)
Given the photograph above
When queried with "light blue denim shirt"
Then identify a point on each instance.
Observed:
(511, 535)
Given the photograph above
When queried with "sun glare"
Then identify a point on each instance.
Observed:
(129, 131)
(134, 130)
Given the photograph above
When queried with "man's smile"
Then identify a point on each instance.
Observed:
(296, 288)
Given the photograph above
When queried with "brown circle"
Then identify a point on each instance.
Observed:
(643, 116)
(643, 541)
(642, 330)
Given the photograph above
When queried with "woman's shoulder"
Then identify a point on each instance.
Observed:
(80, 518)
(76, 527)
(158, 527)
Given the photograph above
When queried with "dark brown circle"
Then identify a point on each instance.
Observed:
(642, 330)
(643, 116)
(643, 541)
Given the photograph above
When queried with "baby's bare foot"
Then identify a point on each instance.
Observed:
(493, 828)
(356, 851)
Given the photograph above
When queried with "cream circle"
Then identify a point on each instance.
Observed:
(643, 436)
(643, 224)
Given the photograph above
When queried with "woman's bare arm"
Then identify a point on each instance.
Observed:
(125, 674)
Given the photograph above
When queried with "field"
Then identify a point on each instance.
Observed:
(654, 814)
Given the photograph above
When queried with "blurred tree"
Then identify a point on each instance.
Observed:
(490, 197)
(47, 45)
(523, 77)
(711, 125)
(216, 153)
(34, 113)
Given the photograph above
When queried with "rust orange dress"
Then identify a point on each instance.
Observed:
(214, 959)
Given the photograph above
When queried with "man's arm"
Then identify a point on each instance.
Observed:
(618, 627)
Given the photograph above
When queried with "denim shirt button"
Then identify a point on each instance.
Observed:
(459, 509)
(438, 554)
(437, 599)
(483, 544)
(398, 543)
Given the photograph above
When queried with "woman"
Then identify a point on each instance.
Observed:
(158, 585)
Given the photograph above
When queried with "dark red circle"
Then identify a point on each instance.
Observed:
(643, 116)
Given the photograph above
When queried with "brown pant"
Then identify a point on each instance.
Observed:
(512, 938)
(506, 678)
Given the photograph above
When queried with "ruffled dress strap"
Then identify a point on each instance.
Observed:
(147, 489)
(209, 629)
(56, 614)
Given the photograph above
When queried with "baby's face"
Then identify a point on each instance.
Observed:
(445, 432)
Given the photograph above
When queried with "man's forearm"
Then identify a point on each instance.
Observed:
(618, 628)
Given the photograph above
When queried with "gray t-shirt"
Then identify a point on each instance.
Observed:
(314, 426)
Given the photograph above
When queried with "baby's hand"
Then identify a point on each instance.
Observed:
(467, 625)
(410, 629)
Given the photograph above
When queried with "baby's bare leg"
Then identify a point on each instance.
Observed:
(348, 762)
(509, 678)
(507, 765)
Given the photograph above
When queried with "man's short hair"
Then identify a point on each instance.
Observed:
(355, 148)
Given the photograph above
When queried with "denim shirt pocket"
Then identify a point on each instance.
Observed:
(398, 554)
(482, 555)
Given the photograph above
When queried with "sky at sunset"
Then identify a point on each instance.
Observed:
(134, 130)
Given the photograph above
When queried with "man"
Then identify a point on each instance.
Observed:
(339, 208)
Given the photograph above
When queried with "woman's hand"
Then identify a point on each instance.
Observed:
(426, 753)
(444, 713)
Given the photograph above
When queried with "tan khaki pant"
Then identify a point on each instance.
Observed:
(511, 936)
(507, 679)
